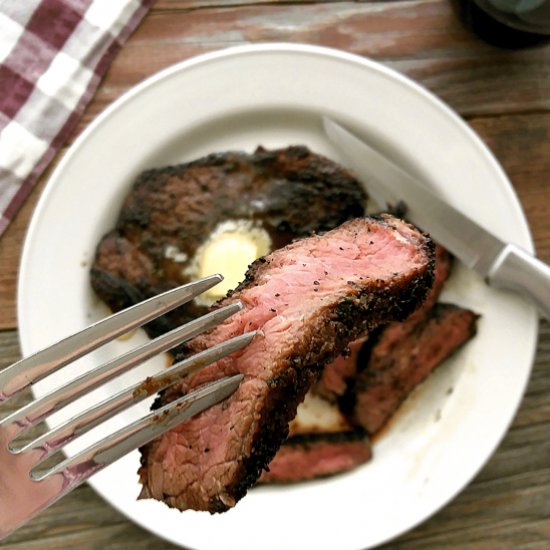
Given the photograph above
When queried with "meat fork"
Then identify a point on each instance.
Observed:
(28, 482)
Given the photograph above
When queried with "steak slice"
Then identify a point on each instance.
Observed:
(398, 365)
(170, 212)
(311, 456)
(307, 301)
(336, 376)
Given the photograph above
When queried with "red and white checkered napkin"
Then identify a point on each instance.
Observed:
(53, 54)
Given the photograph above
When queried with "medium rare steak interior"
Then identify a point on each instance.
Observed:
(170, 212)
(307, 300)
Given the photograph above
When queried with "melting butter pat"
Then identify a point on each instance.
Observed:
(229, 250)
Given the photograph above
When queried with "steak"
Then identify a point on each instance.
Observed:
(397, 366)
(307, 301)
(170, 212)
(336, 376)
(311, 456)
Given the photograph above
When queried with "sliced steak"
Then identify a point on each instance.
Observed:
(306, 457)
(335, 377)
(307, 300)
(398, 365)
(170, 212)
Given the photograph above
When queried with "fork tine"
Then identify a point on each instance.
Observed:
(95, 457)
(52, 440)
(35, 367)
(30, 414)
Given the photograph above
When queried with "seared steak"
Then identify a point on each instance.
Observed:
(171, 211)
(305, 457)
(398, 365)
(335, 377)
(307, 300)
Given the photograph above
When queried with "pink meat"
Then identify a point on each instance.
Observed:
(319, 455)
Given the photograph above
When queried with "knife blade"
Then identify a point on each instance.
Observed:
(502, 264)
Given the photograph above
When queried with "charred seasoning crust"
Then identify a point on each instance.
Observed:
(328, 340)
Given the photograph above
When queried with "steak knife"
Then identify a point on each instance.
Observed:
(502, 264)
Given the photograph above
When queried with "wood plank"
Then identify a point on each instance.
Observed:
(521, 144)
(197, 4)
(9, 348)
(11, 244)
(506, 505)
(421, 38)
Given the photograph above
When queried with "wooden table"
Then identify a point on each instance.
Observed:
(504, 95)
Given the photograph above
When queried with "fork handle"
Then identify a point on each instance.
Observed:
(518, 270)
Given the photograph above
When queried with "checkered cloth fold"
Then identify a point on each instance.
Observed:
(53, 54)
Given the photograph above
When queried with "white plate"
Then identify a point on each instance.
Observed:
(273, 95)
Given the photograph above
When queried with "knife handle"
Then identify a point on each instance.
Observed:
(517, 270)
